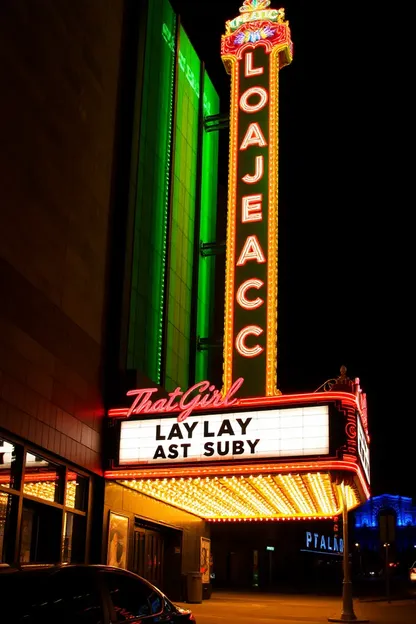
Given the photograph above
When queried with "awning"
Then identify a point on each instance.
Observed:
(290, 492)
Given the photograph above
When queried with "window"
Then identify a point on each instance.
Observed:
(8, 520)
(131, 597)
(43, 479)
(40, 533)
(9, 464)
(73, 539)
(76, 491)
(76, 598)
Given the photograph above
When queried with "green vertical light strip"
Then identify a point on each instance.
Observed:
(206, 269)
(152, 193)
(183, 215)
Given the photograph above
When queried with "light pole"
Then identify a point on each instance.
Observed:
(387, 571)
(347, 613)
(360, 562)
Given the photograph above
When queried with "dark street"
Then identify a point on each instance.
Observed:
(241, 608)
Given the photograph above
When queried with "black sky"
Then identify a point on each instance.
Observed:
(345, 209)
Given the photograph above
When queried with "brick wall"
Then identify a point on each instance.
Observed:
(59, 69)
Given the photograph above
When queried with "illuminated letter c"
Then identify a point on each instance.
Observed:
(240, 341)
(249, 304)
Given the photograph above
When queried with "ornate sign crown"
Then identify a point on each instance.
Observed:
(254, 5)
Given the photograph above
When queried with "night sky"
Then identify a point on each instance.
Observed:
(345, 280)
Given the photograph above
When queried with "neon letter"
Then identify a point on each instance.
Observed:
(254, 108)
(252, 179)
(250, 70)
(254, 136)
(142, 401)
(251, 208)
(249, 304)
(251, 251)
(240, 341)
(188, 408)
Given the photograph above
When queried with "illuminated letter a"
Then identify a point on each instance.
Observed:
(254, 136)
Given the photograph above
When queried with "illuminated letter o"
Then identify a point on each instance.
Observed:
(249, 304)
(253, 108)
(240, 341)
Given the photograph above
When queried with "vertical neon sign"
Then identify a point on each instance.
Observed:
(255, 46)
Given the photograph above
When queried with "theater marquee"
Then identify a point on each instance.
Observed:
(225, 457)
(232, 436)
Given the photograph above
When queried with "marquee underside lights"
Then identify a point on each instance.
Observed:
(254, 48)
(254, 497)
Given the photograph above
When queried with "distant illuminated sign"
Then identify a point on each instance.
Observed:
(323, 544)
(232, 436)
(271, 548)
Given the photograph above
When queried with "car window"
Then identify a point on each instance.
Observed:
(131, 597)
(66, 597)
(76, 597)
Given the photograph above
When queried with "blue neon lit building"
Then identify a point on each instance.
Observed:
(369, 523)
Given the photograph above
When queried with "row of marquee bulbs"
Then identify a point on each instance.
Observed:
(45, 490)
(260, 496)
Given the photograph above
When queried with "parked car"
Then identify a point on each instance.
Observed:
(83, 594)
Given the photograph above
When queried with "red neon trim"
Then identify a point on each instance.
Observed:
(320, 466)
(317, 466)
(346, 398)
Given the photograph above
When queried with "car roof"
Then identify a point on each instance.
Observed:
(50, 568)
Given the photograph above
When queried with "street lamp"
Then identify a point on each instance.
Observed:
(386, 545)
(347, 613)
(359, 557)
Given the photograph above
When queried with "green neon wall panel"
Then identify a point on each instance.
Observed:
(206, 269)
(182, 216)
(152, 193)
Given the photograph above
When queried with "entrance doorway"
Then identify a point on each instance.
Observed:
(148, 555)
(157, 555)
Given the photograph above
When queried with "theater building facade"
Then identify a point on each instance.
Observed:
(113, 442)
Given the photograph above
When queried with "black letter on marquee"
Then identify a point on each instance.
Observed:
(190, 428)
(185, 449)
(209, 449)
(207, 433)
(173, 451)
(252, 445)
(226, 448)
(238, 447)
(175, 432)
(159, 453)
(243, 425)
(226, 428)
(159, 435)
